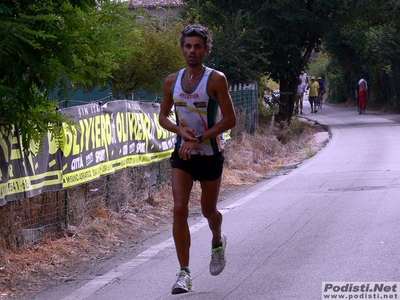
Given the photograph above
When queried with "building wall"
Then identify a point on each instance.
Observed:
(158, 8)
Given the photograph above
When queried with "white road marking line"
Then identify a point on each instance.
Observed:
(95, 284)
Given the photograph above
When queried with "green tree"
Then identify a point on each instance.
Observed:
(366, 42)
(156, 55)
(383, 44)
(47, 45)
(274, 38)
(237, 44)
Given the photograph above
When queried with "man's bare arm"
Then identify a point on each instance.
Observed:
(218, 89)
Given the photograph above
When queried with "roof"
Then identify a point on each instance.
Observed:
(156, 2)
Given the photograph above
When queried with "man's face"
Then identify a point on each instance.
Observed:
(194, 50)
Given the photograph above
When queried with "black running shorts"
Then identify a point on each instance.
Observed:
(201, 167)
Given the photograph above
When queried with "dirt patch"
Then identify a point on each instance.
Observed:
(249, 159)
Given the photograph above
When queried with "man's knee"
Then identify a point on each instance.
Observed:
(181, 211)
(210, 213)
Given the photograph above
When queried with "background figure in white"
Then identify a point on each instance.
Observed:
(304, 79)
(298, 98)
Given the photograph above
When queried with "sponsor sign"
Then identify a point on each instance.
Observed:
(104, 139)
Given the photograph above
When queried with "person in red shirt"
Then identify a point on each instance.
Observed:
(362, 91)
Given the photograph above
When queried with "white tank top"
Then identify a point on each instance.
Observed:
(197, 110)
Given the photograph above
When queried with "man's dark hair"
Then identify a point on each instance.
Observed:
(197, 30)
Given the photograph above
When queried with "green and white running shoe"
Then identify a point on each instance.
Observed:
(183, 284)
(218, 259)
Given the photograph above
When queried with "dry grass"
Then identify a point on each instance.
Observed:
(249, 159)
(253, 157)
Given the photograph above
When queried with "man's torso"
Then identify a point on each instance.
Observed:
(197, 110)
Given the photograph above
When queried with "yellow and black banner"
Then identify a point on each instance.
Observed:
(104, 139)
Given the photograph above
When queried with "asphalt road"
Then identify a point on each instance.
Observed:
(335, 218)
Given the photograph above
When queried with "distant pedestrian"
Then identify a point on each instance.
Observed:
(362, 90)
(298, 98)
(304, 81)
(313, 88)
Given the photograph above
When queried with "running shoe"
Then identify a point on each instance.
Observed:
(218, 260)
(183, 284)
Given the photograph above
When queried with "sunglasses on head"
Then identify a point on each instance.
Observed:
(194, 29)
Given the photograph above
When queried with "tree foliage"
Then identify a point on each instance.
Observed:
(157, 54)
(365, 43)
(47, 45)
(269, 37)
(237, 43)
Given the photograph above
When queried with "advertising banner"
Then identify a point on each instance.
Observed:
(102, 139)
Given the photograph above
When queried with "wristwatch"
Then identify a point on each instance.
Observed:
(199, 136)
